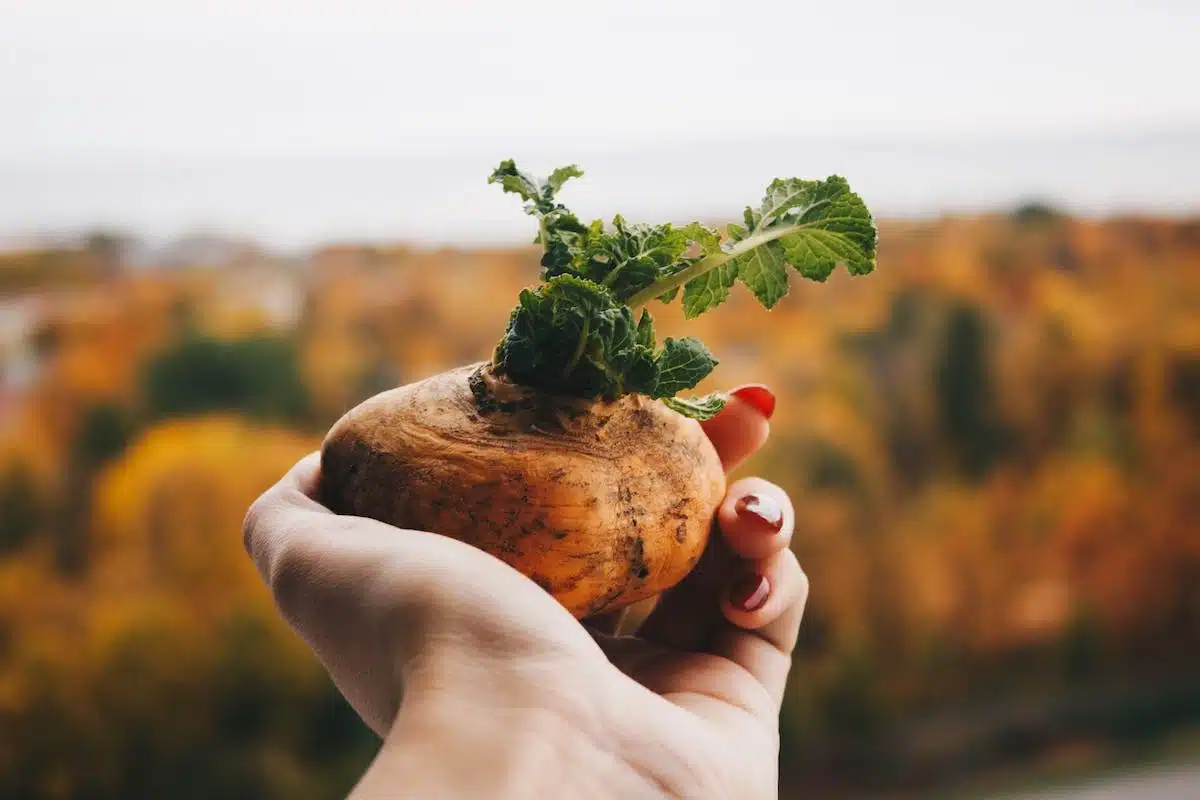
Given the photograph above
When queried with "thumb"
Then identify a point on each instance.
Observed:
(357, 591)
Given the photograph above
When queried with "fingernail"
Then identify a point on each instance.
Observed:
(763, 509)
(750, 592)
(759, 396)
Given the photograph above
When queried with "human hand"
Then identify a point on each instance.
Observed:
(482, 685)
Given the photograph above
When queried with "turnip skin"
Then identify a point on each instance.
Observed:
(601, 503)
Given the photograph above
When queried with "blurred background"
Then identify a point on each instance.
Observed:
(222, 224)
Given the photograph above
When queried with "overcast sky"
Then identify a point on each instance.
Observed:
(79, 77)
(295, 121)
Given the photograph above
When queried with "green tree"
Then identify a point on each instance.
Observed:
(257, 376)
(20, 506)
(964, 391)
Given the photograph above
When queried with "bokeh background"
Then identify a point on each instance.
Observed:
(223, 224)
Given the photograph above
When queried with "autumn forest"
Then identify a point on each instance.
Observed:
(993, 443)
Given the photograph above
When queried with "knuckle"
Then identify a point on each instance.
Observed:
(251, 525)
(288, 576)
(801, 584)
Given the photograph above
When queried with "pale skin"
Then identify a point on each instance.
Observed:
(481, 685)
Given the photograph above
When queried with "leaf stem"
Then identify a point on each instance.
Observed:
(579, 347)
(707, 264)
(611, 277)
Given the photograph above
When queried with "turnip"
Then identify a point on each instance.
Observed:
(569, 455)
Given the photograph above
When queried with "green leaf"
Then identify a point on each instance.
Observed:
(632, 257)
(708, 239)
(700, 408)
(810, 225)
(561, 176)
(681, 365)
(736, 232)
(538, 194)
(513, 180)
(572, 337)
(709, 290)
(645, 330)
(764, 272)
(576, 334)
(827, 223)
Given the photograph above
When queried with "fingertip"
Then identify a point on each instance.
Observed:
(750, 592)
(756, 518)
(757, 395)
(738, 430)
(305, 475)
(769, 598)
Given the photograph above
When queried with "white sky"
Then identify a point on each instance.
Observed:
(80, 77)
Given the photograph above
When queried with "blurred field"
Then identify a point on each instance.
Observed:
(994, 444)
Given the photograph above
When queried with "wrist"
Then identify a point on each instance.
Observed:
(479, 732)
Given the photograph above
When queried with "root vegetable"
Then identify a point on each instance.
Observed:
(602, 503)
(569, 455)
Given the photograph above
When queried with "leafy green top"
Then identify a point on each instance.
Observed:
(576, 333)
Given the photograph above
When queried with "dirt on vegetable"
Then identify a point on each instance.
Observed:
(602, 503)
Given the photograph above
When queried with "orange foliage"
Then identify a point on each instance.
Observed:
(1083, 515)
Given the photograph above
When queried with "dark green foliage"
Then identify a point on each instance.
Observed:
(170, 715)
(965, 398)
(575, 334)
(572, 337)
(259, 376)
(1036, 212)
(103, 434)
(1184, 382)
(831, 467)
(20, 506)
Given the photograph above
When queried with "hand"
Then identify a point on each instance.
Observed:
(482, 685)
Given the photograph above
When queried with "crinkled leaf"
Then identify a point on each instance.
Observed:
(572, 337)
(561, 176)
(702, 235)
(522, 342)
(709, 290)
(811, 225)
(700, 408)
(538, 194)
(764, 272)
(633, 256)
(832, 226)
(513, 180)
(750, 217)
(681, 365)
(645, 330)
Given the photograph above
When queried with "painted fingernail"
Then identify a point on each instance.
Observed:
(750, 592)
(764, 510)
(759, 396)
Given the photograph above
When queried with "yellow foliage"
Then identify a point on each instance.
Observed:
(169, 512)
(1084, 524)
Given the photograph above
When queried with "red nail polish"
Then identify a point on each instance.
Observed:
(750, 592)
(759, 396)
(764, 509)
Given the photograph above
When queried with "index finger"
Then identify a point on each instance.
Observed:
(742, 427)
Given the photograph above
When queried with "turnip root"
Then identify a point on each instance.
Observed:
(601, 503)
